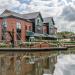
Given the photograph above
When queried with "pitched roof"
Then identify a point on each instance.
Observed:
(31, 15)
(11, 13)
(23, 16)
(48, 19)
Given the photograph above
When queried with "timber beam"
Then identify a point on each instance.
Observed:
(33, 49)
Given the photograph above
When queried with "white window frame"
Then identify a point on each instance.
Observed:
(18, 25)
(4, 23)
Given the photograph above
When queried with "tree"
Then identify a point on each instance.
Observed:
(65, 34)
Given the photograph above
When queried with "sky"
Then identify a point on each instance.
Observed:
(63, 11)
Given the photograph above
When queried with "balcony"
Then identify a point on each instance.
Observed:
(29, 33)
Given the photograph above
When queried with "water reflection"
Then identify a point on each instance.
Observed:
(65, 65)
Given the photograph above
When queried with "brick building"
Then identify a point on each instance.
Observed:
(11, 21)
(49, 24)
(25, 26)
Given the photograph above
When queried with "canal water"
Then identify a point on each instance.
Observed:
(65, 65)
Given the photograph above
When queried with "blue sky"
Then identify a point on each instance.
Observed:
(63, 11)
(25, 1)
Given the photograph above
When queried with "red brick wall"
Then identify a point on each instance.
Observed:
(44, 29)
(11, 24)
(28, 27)
(41, 45)
(24, 26)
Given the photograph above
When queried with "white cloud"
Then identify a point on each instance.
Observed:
(46, 7)
(8, 4)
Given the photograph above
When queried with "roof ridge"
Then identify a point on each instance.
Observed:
(10, 11)
(30, 13)
(13, 14)
(47, 17)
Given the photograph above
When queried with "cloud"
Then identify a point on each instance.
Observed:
(68, 13)
(8, 4)
(24, 1)
(46, 7)
(61, 10)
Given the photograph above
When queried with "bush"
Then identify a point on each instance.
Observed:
(3, 45)
(69, 42)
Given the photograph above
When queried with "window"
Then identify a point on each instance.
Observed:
(44, 29)
(4, 26)
(30, 28)
(38, 21)
(18, 25)
(26, 27)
